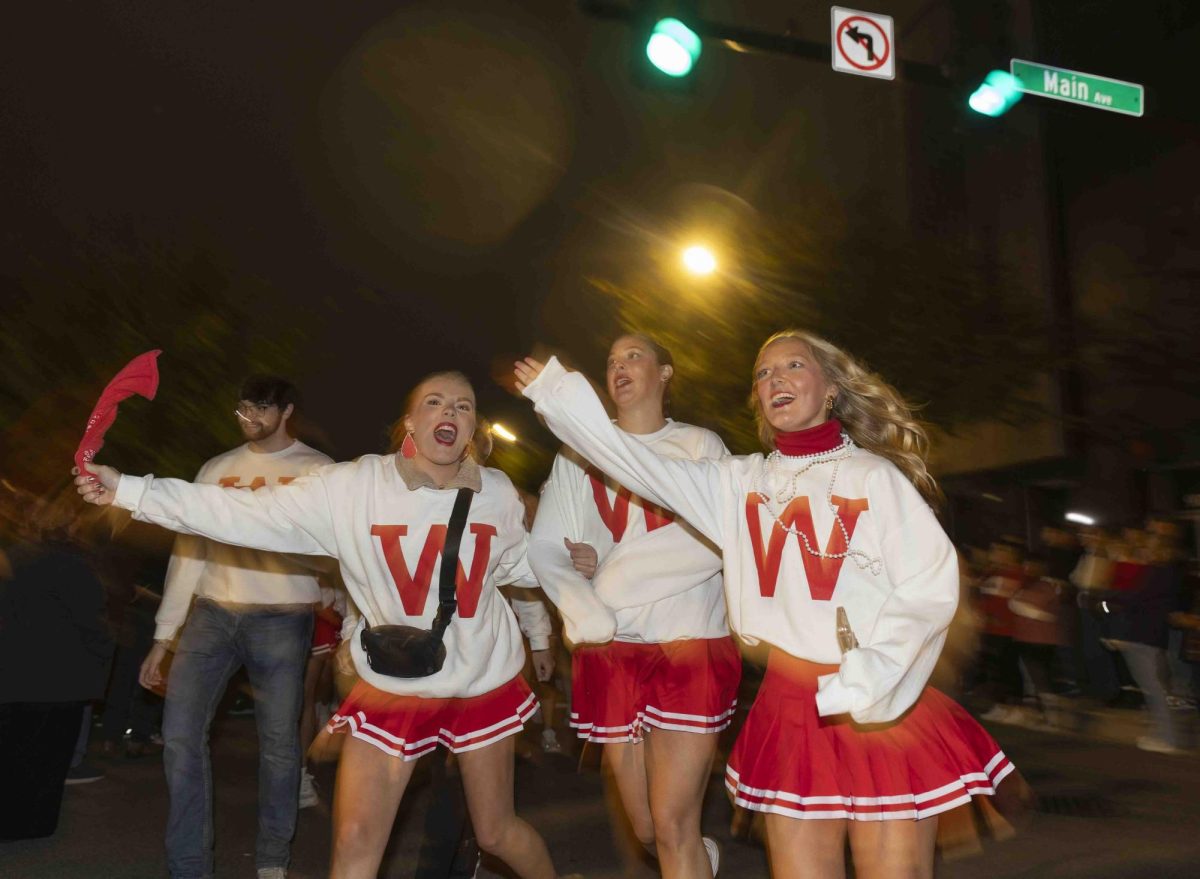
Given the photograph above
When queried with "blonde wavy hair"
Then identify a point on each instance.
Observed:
(874, 413)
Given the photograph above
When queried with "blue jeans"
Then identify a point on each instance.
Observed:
(274, 647)
(1148, 665)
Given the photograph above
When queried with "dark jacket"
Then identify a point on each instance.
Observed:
(54, 643)
(1140, 613)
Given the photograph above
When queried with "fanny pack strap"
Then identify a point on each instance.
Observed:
(447, 583)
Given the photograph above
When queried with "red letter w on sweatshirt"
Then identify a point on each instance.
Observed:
(414, 590)
(822, 574)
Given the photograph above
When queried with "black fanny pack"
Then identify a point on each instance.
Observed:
(409, 652)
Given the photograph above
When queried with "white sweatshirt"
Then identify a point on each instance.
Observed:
(233, 574)
(532, 616)
(658, 580)
(899, 594)
(388, 539)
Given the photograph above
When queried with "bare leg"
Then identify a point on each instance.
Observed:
(893, 849)
(677, 766)
(627, 762)
(370, 784)
(487, 776)
(806, 848)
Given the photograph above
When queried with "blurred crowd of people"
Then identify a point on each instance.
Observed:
(1090, 617)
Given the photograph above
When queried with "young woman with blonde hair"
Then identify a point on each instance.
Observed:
(384, 518)
(834, 559)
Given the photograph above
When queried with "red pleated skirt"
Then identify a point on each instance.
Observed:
(411, 726)
(326, 636)
(620, 688)
(790, 761)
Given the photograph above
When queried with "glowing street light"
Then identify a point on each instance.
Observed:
(673, 47)
(504, 433)
(699, 260)
(1080, 518)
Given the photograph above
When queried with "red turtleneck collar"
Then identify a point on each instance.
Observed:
(811, 440)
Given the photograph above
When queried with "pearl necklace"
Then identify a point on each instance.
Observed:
(834, 456)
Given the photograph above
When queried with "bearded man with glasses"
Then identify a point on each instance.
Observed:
(248, 609)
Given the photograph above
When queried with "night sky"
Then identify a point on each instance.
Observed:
(420, 185)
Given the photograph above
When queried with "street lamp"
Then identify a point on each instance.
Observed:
(503, 432)
(699, 260)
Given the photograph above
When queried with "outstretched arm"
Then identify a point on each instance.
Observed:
(692, 489)
(285, 518)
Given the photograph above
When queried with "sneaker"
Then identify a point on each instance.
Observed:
(272, 873)
(998, 714)
(84, 773)
(308, 793)
(714, 853)
(1158, 746)
(550, 743)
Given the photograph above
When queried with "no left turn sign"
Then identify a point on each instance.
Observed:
(863, 43)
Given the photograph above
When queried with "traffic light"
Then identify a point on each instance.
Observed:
(673, 47)
(998, 94)
(666, 45)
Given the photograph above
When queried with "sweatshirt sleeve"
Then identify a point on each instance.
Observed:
(586, 620)
(665, 562)
(285, 518)
(882, 678)
(692, 489)
(189, 555)
(188, 558)
(534, 620)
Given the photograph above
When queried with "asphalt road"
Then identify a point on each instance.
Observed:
(1105, 810)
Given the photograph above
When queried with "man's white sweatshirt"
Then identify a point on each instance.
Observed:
(388, 539)
(657, 579)
(899, 588)
(233, 574)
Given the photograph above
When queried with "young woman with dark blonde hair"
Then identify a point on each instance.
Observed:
(655, 671)
(833, 558)
(384, 518)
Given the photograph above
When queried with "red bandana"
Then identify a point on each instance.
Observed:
(140, 376)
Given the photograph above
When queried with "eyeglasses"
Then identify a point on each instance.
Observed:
(248, 410)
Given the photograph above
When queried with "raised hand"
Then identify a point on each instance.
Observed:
(583, 557)
(99, 488)
(526, 371)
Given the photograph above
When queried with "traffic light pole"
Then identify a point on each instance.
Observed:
(781, 44)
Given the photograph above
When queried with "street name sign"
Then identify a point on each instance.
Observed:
(863, 43)
(1084, 89)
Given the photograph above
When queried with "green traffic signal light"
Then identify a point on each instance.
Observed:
(673, 47)
(999, 92)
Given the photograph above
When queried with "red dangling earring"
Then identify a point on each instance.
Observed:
(408, 448)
